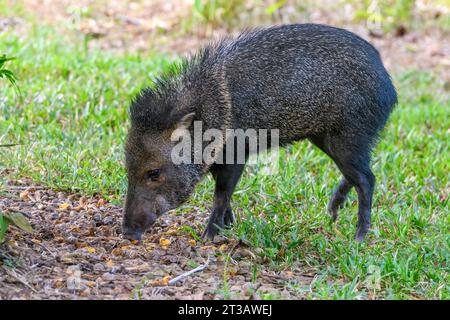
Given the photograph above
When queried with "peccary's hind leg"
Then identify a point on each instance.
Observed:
(339, 197)
(352, 156)
(228, 218)
(226, 177)
(364, 182)
(341, 192)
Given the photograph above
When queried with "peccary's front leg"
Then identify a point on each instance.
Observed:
(226, 177)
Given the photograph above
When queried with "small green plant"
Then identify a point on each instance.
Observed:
(15, 218)
(5, 73)
(387, 14)
(274, 7)
(217, 12)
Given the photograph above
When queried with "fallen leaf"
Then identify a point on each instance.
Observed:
(19, 220)
(80, 245)
(164, 242)
(192, 242)
(64, 206)
(117, 252)
(100, 202)
(83, 201)
(172, 231)
(24, 195)
(155, 283)
(90, 249)
(165, 280)
(59, 239)
(75, 229)
(58, 283)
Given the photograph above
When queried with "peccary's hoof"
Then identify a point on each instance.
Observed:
(228, 218)
(334, 215)
(361, 234)
(210, 232)
(335, 204)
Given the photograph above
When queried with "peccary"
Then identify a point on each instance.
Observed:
(310, 81)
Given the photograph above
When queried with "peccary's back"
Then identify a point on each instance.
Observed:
(306, 79)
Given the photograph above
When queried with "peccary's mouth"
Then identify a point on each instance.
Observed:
(132, 235)
(133, 230)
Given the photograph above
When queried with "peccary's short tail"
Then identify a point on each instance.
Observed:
(389, 97)
(386, 99)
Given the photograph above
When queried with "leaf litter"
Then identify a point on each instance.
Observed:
(76, 251)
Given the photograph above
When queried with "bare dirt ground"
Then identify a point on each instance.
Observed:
(76, 251)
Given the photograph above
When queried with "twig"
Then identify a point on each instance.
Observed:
(23, 188)
(54, 255)
(18, 278)
(187, 274)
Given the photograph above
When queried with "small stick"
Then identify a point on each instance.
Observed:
(186, 274)
(16, 188)
(18, 278)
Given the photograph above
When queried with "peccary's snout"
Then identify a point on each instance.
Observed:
(139, 215)
(142, 208)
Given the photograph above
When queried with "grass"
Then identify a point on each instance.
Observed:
(71, 120)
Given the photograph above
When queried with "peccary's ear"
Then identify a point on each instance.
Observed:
(186, 121)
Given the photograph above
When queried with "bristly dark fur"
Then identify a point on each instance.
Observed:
(161, 105)
(153, 108)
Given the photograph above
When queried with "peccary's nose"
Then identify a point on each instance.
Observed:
(131, 234)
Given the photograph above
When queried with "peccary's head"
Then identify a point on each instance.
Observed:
(155, 183)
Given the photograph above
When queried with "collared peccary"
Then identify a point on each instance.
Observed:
(310, 81)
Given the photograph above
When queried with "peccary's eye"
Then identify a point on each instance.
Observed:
(152, 174)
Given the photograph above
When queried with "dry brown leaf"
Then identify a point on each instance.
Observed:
(83, 201)
(59, 239)
(172, 231)
(110, 263)
(117, 252)
(24, 195)
(164, 242)
(75, 229)
(59, 283)
(64, 206)
(155, 283)
(100, 203)
(80, 245)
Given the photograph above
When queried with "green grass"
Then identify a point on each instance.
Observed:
(71, 120)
